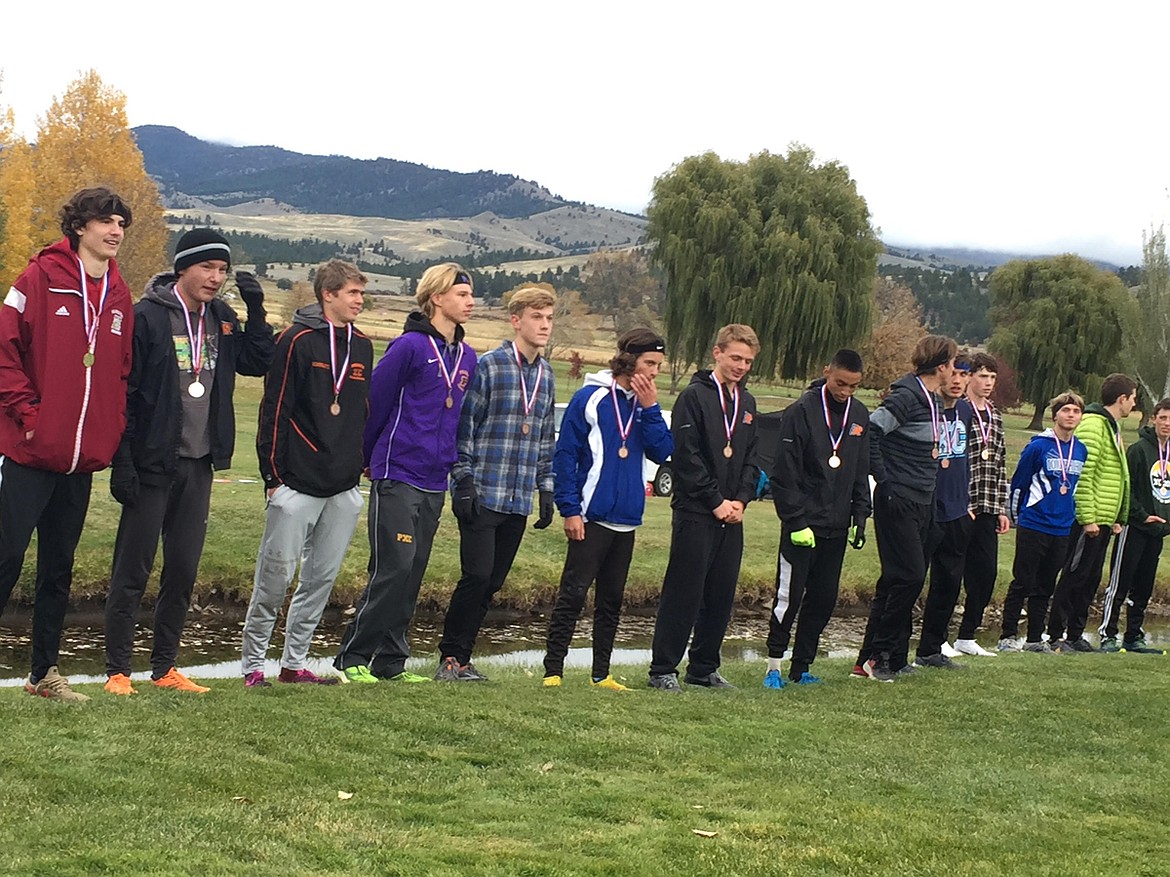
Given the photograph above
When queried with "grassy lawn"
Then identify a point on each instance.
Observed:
(1024, 764)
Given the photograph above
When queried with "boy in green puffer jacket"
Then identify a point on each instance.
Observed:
(1102, 502)
(1135, 557)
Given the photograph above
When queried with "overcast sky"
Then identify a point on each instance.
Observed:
(1025, 126)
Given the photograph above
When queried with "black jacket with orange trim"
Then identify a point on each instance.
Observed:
(300, 441)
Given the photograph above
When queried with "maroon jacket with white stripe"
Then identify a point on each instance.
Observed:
(76, 414)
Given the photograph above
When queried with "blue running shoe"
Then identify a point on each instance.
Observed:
(773, 679)
(807, 678)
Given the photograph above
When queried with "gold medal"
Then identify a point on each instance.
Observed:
(727, 452)
(87, 359)
(450, 402)
(524, 428)
(834, 462)
(985, 454)
(335, 409)
(623, 452)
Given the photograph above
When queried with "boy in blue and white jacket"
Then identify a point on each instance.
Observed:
(1042, 508)
(610, 423)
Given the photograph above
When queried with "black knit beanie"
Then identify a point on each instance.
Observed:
(200, 245)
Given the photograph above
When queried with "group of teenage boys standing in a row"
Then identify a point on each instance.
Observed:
(87, 381)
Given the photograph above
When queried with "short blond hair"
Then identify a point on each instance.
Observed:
(435, 281)
(530, 297)
(733, 332)
(333, 275)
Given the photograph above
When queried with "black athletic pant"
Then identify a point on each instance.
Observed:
(401, 524)
(947, 560)
(1140, 552)
(487, 548)
(603, 555)
(53, 504)
(698, 591)
(177, 512)
(902, 528)
(807, 580)
(1038, 560)
(979, 572)
(1078, 583)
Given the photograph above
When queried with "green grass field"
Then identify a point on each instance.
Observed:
(1020, 765)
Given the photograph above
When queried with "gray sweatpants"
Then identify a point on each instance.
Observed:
(316, 531)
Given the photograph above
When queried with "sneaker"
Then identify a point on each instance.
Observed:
(711, 680)
(1063, 646)
(360, 674)
(176, 681)
(906, 670)
(858, 672)
(54, 686)
(773, 679)
(938, 662)
(1083, 645)
(608, 683)
(408, 677)
(468, 673)
(1137, 645)
(448, 670)
(305, 676)
(666, 682)
(878, 669)
(1010, 644)
(969, 647)
(119, 684)
(256, 679)
(1110, 644)
(1041, 647)
(807, 678)
(951, 651)
(551, 682)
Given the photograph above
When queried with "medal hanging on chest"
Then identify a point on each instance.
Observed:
(623, 429)
(934, 418)
(1065, 464)
(728, 425)
(195, 338)
(91, 317)
(528, 401)
(448, 375)
(338, 376)
(984, 432)
(834, 458)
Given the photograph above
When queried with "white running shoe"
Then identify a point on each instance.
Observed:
(1011, 644)
(949, 651)
(970, 647)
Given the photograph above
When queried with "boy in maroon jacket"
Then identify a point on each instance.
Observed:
(66, 329)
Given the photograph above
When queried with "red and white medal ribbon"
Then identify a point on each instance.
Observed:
(934, 416)
(984, 433)
(195, 339)
(529, 401)
(623, 431)
(728, 425)
(449, 376)
(91, 318)
(1163, 457)
(1065, 465)
(338, 376)
(834, 459)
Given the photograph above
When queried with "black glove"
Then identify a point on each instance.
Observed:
(124, 484)
(250, 290)
(547, 507)
(464, 500)
(858, 533)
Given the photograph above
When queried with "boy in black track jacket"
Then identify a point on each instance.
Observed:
(820, 486)
(309, 441)
(715, 475)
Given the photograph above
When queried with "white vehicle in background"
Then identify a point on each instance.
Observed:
(659, 477)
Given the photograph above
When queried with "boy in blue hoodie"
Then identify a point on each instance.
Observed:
(610, 424)
(1042, 507)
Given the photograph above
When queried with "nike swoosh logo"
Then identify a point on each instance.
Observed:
(429, 361)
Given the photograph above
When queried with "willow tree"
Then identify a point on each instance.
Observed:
(1059, 322)
(1149, 341)
(778, 242)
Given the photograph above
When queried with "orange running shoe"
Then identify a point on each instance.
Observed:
(176, 681)
(119, 683)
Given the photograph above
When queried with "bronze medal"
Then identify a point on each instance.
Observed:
(524, 428)
(450, 402)
(335, 409)
(945, 463)
(985, 454)
(727, 452)
(834, 462)
(1063, 489)
(87, 359)
(934, 453)
(623, 452)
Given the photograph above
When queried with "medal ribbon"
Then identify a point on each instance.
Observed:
(449, 375)
(835, 442)
(196, 341)
(985, 434)
(91, 318)
(1065, 465)
(728, 425)
(934, 416)
(528, 401)
(623, 431)
(1163, 457)
(339, 378)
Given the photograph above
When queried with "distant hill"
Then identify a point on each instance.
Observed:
(230, 175)
(960, 257)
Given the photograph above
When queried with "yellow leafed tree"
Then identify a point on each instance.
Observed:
(84, 140)
(16, 199)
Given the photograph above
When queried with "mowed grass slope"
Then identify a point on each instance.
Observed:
(1028, 765)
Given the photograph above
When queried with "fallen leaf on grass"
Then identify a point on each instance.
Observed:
(240, 799)
(546, 767)
(696, 806)
(344, 796)
(702, 833)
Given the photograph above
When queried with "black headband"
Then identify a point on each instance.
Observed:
(655, 346)
(939, 359)
(461, 277)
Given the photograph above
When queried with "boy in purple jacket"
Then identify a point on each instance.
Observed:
(415, 396)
